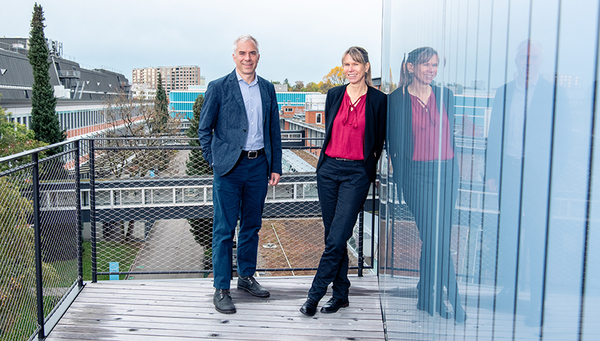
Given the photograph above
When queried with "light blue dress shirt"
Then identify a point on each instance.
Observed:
(253, 104)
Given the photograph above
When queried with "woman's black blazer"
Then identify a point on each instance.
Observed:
(375, 125)
(400, 136)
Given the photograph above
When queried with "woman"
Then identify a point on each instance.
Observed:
(423, 158)
(355, 117)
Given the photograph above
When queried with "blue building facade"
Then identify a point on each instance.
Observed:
(182, 102)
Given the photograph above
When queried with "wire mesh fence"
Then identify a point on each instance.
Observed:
(151, 212)
(474, 231)
(39, 238)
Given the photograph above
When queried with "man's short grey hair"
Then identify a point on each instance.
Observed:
(244, 38)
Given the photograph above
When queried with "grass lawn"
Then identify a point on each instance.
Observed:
(124, 253)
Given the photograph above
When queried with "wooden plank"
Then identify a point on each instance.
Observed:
(183, 310)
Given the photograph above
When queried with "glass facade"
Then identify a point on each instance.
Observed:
(182, 102)
(490, 210)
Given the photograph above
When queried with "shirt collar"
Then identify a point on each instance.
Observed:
(240, 79)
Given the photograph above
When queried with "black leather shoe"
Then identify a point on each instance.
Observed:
(223, 302)
(309, 308)
(251, 286)
(333, 305)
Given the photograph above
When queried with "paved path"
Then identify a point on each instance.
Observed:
(170, 246)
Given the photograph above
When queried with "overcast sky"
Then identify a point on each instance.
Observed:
(299, 39)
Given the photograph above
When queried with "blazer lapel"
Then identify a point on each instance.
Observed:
(234, 90)
(265, 99)
(335, 107)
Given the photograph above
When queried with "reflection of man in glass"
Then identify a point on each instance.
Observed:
(517, 167)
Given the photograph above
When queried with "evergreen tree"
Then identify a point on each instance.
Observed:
(201, 228)
(44, 120)
(196, 165)
(161, 106)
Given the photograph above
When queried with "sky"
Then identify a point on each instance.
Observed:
(298, 40)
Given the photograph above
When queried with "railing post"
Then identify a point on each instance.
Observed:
(79, 223)
(39, 285)
(375, 188)
(361, 228)
(93, 210)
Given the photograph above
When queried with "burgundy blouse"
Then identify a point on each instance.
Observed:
(348, 131)
(426, 131)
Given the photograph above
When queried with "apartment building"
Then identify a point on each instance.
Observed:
(175, 78)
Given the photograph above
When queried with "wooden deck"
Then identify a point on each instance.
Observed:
(183, 310)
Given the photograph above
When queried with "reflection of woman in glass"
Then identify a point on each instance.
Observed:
(355, 119)
(421, 144)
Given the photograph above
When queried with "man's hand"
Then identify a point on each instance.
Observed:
(274, 180)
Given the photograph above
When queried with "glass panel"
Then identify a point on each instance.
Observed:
(310, 191)
(283, 192)
(490, 169)
(193, 195)
(103, 198)
(163, 196)
(209, 195)
(131, 196)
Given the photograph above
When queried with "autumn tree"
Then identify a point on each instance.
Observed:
(201, 228)
(44, 120)
(336, 76)
(325, 86)
(311, 87)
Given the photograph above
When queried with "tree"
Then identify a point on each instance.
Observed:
(325, 86)
(15, 138)
(299, 86)
(196, 165)
(201, 228)
(44, 120)
(336, 76)
(17, 261)
(127, 117)
(311, 87)
(161, 106)
(287, 82)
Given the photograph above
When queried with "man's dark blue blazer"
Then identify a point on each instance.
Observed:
(223, 127)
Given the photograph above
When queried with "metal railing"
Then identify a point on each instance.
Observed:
(149, 218)
(146, 213)
(40, 240)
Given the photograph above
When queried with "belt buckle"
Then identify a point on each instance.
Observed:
(252, 154)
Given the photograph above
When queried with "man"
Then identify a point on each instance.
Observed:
(241, 140)
(518, 159)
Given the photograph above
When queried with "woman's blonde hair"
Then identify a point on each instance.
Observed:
(360, 55)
